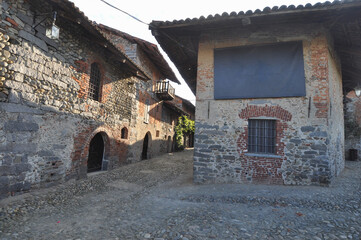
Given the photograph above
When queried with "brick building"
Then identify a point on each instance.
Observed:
(158, 106)
(269, 87)
(76, 103)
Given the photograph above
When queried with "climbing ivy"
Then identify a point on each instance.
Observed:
(184, 126)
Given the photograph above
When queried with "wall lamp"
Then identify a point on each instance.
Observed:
(51, 31)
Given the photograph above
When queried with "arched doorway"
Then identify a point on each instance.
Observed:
(146, 141)
(96, 151)
(169, 144)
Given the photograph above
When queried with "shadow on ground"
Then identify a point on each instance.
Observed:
(156, 199)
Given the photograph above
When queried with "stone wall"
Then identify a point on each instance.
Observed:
(352, 124)
(304, 133)
(336, 123)
(158, 130)
(47, 120)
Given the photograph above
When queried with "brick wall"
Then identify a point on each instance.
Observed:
(305, 126)
(145, 92)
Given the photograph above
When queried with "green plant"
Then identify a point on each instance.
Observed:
(184, 126)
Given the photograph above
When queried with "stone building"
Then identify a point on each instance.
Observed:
(158, 106)
(352, 126)
(269, 86)
(77, 102)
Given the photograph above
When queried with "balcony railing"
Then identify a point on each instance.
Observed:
(164, 90)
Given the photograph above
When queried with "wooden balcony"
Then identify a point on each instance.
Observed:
(164, 90)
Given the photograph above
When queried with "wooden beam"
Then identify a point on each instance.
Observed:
(349, 51)
(352, 72)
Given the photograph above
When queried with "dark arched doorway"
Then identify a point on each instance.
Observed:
(96, 151)
(169, 144)
(146, 146)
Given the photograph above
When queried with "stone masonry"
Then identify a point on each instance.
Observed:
(160, 127)
(352, 124)
(310, 136)
(47, 120)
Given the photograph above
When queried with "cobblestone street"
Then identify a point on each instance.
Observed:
(156, 199)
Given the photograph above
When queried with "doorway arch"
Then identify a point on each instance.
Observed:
(169, 144)
(96, 153)
(146, 144)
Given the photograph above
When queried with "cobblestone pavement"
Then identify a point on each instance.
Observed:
(155, 199)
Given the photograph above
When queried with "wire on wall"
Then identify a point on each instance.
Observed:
(124, 12)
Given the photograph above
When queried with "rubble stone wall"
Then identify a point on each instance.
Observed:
(352, 124)
(47, 120)
(336, 125)
(145, 93)
(306, 128)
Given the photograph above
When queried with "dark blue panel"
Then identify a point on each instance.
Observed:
(265, 71)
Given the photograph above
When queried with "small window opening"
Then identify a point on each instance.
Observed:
(262, 136)
(124, 133)
(157, 133)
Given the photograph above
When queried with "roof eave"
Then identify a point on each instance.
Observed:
(93, 29)
(163, 66)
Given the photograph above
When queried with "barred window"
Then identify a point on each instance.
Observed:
(262, 136)
(94, 83)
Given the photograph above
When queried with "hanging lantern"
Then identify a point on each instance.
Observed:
(53, 30)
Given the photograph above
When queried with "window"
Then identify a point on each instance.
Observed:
(124, 133)
(262, 136)
(259, 71)
(146, 111)
(94, 83)
(157, 133)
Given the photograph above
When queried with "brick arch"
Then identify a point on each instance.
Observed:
(263, 169)
(106, 134)
(81, 149)
(265, 111)
(106, 140)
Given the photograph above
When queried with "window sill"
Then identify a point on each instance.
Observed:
(262, 155)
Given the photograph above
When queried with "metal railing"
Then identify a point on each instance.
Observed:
(163, 87)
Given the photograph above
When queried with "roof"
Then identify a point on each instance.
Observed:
(180, 38)
(266, 11)
(174, 107)
(186, 102)
(69, 12)
(150, 49)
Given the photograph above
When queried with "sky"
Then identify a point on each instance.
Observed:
(167, 10)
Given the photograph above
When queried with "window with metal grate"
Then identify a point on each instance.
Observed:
(262, 136)
(94, 83)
